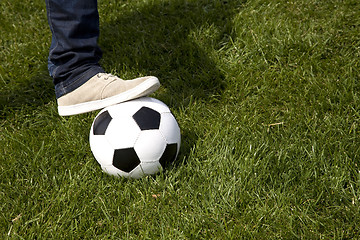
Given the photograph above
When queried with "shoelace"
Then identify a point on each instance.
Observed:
(106, 76)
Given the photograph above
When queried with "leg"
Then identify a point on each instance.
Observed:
(74, 53)
(80, 83)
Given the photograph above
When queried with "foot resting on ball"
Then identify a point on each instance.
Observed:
(104, 90)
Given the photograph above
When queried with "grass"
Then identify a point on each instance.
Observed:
(267, 97)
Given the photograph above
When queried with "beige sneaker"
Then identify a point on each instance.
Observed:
(104, 90)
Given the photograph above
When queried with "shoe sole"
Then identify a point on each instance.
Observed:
(142, 90)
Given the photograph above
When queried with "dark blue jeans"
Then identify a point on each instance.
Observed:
(74, 54)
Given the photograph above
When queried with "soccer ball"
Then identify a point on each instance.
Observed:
(135, 138)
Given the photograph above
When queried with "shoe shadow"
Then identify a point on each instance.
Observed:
(175, 41)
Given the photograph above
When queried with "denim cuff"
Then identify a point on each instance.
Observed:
(70, 85)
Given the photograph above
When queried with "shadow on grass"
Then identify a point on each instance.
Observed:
(163, 40)
(22, 93)
(172, 40)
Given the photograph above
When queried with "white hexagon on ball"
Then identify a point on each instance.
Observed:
(103, 151)
(150, 145)
(127, 128)
(171, 132)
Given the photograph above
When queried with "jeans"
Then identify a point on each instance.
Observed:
(74, 54)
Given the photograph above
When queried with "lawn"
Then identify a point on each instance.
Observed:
(267, 96)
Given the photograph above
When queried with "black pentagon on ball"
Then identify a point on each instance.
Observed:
(169, 154)
(101, 123)
(125, 159)
(147, 118)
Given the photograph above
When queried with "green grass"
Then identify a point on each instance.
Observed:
(267, 97)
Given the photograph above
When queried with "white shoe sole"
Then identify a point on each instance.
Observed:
(142, 90)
